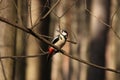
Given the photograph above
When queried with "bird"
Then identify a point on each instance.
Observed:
(59, 41)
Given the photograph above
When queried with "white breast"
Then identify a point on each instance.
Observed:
(61, 42)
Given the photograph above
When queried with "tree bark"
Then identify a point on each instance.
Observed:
(100, 8)
(113, 51)
(22, 10)
(37, 66)
(7, 40)
(32, 48)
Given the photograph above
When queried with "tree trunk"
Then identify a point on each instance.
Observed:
(113, 51)
(37, 66)
(7, 40)
(100, 8)
(44, 29)
(22, 10)
(32, 48)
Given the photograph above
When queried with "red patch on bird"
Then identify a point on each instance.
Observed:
(51, 50)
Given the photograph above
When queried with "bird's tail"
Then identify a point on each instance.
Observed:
(49, 58)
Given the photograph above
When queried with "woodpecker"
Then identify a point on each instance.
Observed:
(58, 41)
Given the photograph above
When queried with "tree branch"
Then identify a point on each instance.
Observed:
(91, 64)
(2, 66)
(27, 30)
(51, 9)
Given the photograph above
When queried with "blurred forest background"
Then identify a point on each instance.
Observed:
(94, 36)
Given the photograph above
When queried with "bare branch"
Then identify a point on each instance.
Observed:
(68, 9)
(17, 57)
(91, 64)
(101, 21)
(50, 10)
(72, 42)
(2, 66)
(13, 24)
(27, 30)
(47, 42)
(30, 15)
(113, 16)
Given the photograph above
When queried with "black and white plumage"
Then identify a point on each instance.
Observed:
(58, 41)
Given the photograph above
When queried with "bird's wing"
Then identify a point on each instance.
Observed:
(55, 39)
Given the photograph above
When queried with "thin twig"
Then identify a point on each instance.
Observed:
(30, 15)
(14, 3)
(113, 16)
(50, 10)
(38, 19)
(101, 21)
(68, 9)
(2, 66)
(73, 42)
(13, 24)
(28, 56)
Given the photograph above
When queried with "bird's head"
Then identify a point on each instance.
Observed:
(64, 33)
